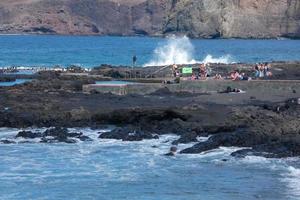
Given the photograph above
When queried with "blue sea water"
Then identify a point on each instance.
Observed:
(111, 169)
(28, 50)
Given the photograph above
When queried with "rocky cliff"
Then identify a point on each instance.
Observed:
(196, 18)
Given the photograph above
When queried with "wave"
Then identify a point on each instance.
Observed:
(177, 50)
(180, 50)
(227, 59)
(292, 181)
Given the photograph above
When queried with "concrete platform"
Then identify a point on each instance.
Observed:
(196, 86)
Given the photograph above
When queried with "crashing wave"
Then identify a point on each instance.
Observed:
(180, 50)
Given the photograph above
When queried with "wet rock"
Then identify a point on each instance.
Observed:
(54, 135)
(85, 138)
(128, 134)
(56, 140)
(279, 149)
(7, 142)
(56, 132)
(62, 135)
(186, 138)
(239, 139)
(29, 134)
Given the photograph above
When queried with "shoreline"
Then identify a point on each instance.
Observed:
(261, 118)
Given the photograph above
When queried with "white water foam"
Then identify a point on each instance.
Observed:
(177, 50)
(292, 181)
(180, 50)
(227, 59)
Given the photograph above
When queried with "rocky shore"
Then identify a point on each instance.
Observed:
(266, 123)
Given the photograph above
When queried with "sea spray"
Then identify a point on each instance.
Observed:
(292, 180)
(176, 50)
(180, 50)
(227, 59)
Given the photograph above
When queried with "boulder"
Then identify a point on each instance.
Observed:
(29, 134)
(239, 139)
(186, 138)
(7, 142)
(277, 149)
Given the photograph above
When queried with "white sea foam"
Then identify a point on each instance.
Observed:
(177, 50)
(292, 180)
(227, 59)
(180, 50)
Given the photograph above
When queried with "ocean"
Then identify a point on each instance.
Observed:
(111, 169)
(90, 51)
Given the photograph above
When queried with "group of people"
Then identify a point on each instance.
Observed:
(236, 76)
(262, 70)
(204, 71)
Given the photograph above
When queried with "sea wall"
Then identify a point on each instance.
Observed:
(196, 86)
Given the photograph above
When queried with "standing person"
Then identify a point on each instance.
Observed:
(174, 69)
(265, 69)
(269, 73)
(203, 71)
(261, 70)
(134, 59)
(256, 71)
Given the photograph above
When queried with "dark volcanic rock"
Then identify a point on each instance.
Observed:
(29, 134)
(54, 135)
(186, 138)
(84, 138)
(128, 134)
(279, 149)
(271, 132)
(55, 140)
(7, 142)
(239, 139)
(62, 135)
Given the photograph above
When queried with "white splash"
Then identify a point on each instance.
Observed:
(292, 181)
(180, 50)
(177, 50)
(227, 59)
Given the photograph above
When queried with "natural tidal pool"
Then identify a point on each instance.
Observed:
(16, 82)
(112, 169)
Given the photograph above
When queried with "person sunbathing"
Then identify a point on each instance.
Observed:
(218, 77)
(235, 76)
